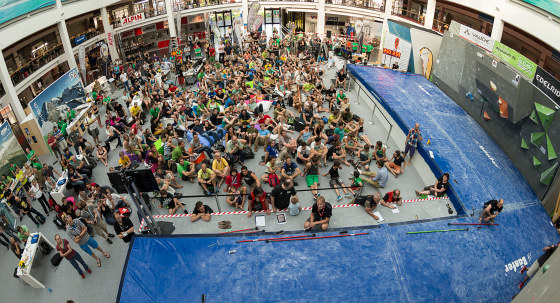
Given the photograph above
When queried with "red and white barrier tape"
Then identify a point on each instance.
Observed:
(143, 226)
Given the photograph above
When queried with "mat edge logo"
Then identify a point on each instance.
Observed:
(512, 266)
(488, 155)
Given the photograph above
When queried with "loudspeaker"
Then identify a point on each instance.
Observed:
(329, 33)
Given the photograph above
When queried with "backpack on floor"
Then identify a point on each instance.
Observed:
(273, 179)
(59, 223)
(249, 154)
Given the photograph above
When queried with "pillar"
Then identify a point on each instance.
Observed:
(245, 12)
(430, 14)
(11, 94)
(63, 31)
(110, 35)
(321, 18)
(170, 19)
(497, 29)
(387, 14)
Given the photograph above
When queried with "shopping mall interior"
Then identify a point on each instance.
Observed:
(448, 105)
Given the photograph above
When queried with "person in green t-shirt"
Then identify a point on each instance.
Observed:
(30, 155)
(339, 130)
(63, 126)
(154, 113)
(357, 183)
(340, 97)
(23, 233)
(71, 114)
(185, 169)
(13, 168)
(178, 151)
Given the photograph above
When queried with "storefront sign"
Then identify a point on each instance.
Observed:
(80, 39)
(110, 38)
(520, 62)
(133, 18)
(127, 33)
(477, 38)
(547, 84)
(332, 18)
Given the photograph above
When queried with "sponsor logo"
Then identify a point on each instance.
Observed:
(133, 18)
(548, 85)
(392, 53)
(512, 266)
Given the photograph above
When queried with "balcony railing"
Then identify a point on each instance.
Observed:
(148, 13)
(88, 35)
(35, 64)
(186, 4)
(365, 4)
(409, 15)
(440, 26)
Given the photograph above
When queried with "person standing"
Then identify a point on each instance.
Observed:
(78, 231)
(321, 214)
(25, 208)
(65, 251)
(491, 209)
(92, 217)
(414, 135)
(531, 271)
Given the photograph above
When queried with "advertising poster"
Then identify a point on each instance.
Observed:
(10, 150)
(50, 105)
(547, 84)
(10, 9)
(515, 59)
(396, 51)
(551, 6)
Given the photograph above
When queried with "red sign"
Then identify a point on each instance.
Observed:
(132, 18)
(110, 39)
(393, 53)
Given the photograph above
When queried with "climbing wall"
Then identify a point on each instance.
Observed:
(505, 104)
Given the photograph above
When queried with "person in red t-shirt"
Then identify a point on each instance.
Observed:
(54, 146)
(64, 249)
(258, 201)
(233, 179)
(393, 197)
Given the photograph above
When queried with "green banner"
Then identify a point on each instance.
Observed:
(520, 62)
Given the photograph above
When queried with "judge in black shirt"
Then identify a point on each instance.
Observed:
(201, 211)
(491, 209)
(531, 271)
(123, 227)
(281, 195)
(321, 214)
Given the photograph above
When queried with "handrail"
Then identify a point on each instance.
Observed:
(374, 106)
(148, 13)
(35, 64)
(189, 4)
(89, 34)
(409, 15)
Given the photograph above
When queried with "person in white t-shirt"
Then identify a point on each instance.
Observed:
(124, 80)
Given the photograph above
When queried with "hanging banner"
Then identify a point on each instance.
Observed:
(82, 59)
(178, 22)
(67, 92)
(427, 62)
(10, 149)
(477, 38)
(257, 23)
(104, 50)
(396, 52)
(253, 11)
(237, 31)
(547, 84)
(520, 62)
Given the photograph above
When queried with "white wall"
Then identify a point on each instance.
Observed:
(420, 39)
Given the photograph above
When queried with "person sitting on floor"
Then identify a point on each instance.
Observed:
(201, 211)
(170, 202)
(395, 165)
(207, 179)
(438, 190)
(258, 201)
(321, 214)
(220, 167)
(379, 179)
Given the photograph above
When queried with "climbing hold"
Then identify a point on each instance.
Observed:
(536, 162)
(550, 149)
(524, 144)
(533, 117)
(486, 116)
(545, 115)
(493, 86)
(548, 175)
(536, 138)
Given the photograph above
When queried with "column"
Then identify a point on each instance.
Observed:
(321, 18)
(63, 32)
(430, 13)
(386, 15)
(497, 28)
(108, 28)
(11, 94)
(170, 19)
(441, 14)
(245, 12)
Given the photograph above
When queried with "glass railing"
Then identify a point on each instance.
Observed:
(186, 4)
(148, 13)
(2, 91)
(83, 37)
(36, 63)
(372, 5)
(409, 15)
(440, 26)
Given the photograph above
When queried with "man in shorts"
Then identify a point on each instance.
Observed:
(414, 135)
(170, 202)
(531, 271)
(77, 231)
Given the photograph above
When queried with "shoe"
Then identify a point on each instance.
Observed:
(109, 241)
(82, 275)
(359, 170)
(349, 196)
(37, 225)
(417, 193)
(185, 212)
(314, 197)
(523, 269)
(88, 270)
(521, 285)
(295, 183)
(110, 235)
(339, 198)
